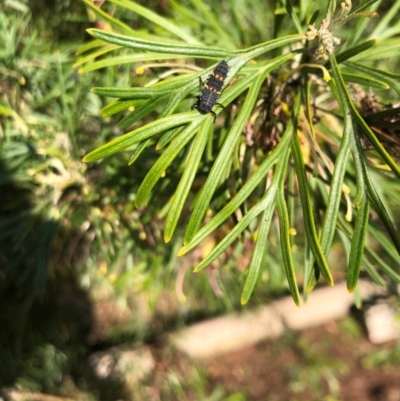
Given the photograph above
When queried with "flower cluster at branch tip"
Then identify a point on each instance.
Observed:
(327, 41)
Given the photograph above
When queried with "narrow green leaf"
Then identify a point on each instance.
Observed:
(373, 273)
(258, 255)
(186, 181)
(243, 193)
(331, 10)
(344, 234)
(355, 50)
(262, 48)
(332, 210)
(267, 201)
(364, 80)
(224, 157)
(164, 161)
(379, 207)
(87, 46)
(385, 244)
(285, 243)
(362, 6)
(372, 195)
(293, 16)
(140, 134)
(139, 150)
(128, 93)
(335, 193)
(142, 110)
(375, 142)
(385, 49)
(383, 265)
(308, 216)
(308, 268)
(357, 245)
(173, 103)
(104, 49)
(364, 187)
(167, 137)
(126, 59)
(393, 80)
(364, 182)
(388, 19)
(160, 47)
(117, 106)
(156, 19)
(361, 26)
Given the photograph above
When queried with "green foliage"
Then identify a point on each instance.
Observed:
(313, 368)
(273, 94)
(44, 369)
(387, 358)
(50, 210)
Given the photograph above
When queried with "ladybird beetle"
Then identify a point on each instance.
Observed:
(212, 89)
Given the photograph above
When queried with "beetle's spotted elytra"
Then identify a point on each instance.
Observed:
(212, 89)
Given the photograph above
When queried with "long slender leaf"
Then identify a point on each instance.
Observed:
(335, 193)
(104, 49)
(361, 26)
(357, 245)
(355, 50)
(383, 265)
(373, 273)
(167, 137)
(293, 16)
(385, 244)
(139, 150)
(284, 227)
(375, 142)
(242, 195)
(156, 19)
(117, 106)
(186, 181)
(128, 93)
(336, 187)
(139, 134)
(364, 80)
(160, 47)
(367, 183)
(344, 234)
(258, 255)
(362, 6)
(308, 216)
(223, 157)
(361, 200)
(331, 10)
(142, 110)
(379, 207)
(393, 80)
(126, 59)
(164, 161)
(267, 201)
(380, 30)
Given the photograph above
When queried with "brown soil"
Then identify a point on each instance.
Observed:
(324, 364)
(270, 370)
